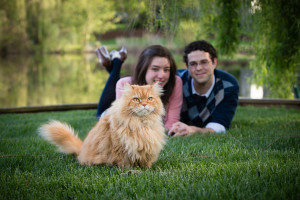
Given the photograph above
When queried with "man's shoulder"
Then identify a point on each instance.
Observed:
(183, 74)
(226, 77)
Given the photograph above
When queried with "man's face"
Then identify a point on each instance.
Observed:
(201, 68)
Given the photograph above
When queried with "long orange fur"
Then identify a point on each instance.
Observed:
(130, 134)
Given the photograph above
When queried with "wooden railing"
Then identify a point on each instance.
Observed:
(286, 103)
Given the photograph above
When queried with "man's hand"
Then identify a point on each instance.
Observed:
(180, 128)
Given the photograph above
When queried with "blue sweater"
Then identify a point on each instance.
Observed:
(219, 107)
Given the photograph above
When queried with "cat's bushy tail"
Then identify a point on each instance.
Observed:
(62, 135)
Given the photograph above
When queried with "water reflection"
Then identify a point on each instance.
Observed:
(69, 78)
(249, 89)
(50, 80)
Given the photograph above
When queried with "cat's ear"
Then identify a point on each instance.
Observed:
(158, 89)
(127, 88)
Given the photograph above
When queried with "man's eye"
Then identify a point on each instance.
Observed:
(193, 64)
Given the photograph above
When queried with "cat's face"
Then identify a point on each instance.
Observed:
(143, 100)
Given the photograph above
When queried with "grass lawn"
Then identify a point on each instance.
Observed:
(259, 158)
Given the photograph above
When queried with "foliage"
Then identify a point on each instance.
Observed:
(257, 159)
(133, 13)
(217, 18)
(228, 26)
(69, 25)
(184, 27)
(164, 16)
(47, 26)
(274, 26)
(277, 45)
(13, 35)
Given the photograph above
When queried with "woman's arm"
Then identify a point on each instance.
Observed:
(174, 105)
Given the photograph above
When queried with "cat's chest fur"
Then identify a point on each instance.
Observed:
(138, 134)
(132, 132)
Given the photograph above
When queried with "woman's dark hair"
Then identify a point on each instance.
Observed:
(201, 45)
(144, 61)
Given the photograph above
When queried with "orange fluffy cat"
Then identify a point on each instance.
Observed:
(130, 134)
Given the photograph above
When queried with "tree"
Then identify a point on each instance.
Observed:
(51, 26)
(132, 12)
(85, 17)
(274, 26)
(277, 44)
(13, 26)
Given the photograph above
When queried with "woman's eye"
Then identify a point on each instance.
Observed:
(150, 98)
(136, 99)
(167, 70)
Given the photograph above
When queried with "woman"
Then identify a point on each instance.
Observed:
(155, 65)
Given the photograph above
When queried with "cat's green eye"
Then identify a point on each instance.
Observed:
(150, 98)
(136, 99)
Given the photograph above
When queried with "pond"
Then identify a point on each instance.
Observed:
(50, 80)
(63, 79)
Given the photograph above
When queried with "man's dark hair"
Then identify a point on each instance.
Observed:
(201, 45)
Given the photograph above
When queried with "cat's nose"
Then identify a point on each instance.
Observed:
(144, 104)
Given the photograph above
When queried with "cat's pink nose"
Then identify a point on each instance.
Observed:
(144, 104)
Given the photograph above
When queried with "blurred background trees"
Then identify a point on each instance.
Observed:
(271, 26)
(52, 26)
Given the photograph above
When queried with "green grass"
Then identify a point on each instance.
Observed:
(259, 158)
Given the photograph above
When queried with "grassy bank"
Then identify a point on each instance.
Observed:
(257, 159)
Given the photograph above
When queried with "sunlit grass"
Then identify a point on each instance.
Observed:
(257, 159)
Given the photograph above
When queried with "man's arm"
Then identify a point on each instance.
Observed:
(225, 110)
(220, 119)
(218, 128)
(180, 128)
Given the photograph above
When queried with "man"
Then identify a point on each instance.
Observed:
(210, 95)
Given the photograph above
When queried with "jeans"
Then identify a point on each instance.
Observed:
(109, 92)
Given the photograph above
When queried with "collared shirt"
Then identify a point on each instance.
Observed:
(218, 128)
(216, 108)
(208, 92)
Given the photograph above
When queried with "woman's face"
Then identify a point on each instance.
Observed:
(158, 71)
